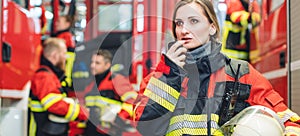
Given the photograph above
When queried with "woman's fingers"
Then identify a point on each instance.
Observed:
(177, 52)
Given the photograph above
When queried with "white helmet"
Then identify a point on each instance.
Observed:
(254, 121)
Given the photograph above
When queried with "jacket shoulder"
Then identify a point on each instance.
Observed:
(232, 65)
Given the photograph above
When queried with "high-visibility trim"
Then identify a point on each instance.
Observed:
(73, 111)
(90, 101)
(129, 95)
(288, 115)
(195, 118)
(235, 54)
(128, 108)
(162, 93)
(100, 101)
(240, 16)
(229, 26)
(69, 67)
(292, 130)
(255, 18)
(51, 99)
(81, 125)
(163, 87)
(57, 119)
(32, 125)
(192, 124)
(194, 131)
(163, 102)
(36, 106)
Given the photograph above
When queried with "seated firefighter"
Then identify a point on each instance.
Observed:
(110, 102)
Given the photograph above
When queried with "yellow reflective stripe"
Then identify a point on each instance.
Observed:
(194, 118)
(69, 67)
(73, 111)
(292, 130)
(193, 125)
(288, 115)
(255, 18)
(51, 99)
(165, 87)
(100, 101)
(32, 125)
(128, 108)
(108, 100)
(243, 15)
(235, 54)
(229, 26)
(244, 18)
(128, 95)
(90, 101)
(81, 125)
(194, 131)
(169, 106)
(36, 106)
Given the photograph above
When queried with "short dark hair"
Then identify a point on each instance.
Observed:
(105, 53)
(69, 19)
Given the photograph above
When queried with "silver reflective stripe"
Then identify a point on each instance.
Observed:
(190, 124)
(156, 90)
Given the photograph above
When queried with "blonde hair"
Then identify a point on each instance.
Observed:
(52, 44)
(208, 11)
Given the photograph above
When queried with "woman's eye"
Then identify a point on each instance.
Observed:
(194, 21)
(179, 23)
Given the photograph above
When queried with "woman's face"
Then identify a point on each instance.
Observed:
(192, 25)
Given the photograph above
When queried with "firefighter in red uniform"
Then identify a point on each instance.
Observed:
(63, 26)
(195, 88)
(110, 103)
(50, 109)
(242, 19)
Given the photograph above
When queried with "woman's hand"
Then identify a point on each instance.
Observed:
(177, 53)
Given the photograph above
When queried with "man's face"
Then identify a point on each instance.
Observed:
(62, 57)
(62, 24)
(99, 65)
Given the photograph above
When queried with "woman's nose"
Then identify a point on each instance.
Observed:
(184, 30)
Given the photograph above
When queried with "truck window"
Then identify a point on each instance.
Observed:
(22, 3)
(275, 4)
(121, 20)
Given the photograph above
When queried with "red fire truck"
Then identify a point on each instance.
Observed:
(19, 58)
(274, 47)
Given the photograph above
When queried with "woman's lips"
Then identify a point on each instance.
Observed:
(186, 40)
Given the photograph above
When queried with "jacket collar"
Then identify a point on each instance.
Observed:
(100, 77)
(59, 32)
(211, 61)
(57, 71)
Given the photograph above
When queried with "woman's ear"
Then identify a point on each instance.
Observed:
(212, 30)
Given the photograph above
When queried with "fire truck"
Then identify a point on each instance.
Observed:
(135, 31)
(19, 58)
(274, 45)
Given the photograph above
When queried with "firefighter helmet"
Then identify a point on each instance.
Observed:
(254, 121)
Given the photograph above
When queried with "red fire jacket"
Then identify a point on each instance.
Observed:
(113, 89)
(68, 37)
(198, 99)
(48, 97)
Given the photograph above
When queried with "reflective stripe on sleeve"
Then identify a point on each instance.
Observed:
(51, 99)
(129, 95)
(162, 93)
(128, 108)
(288, 115)
(192, 125)
(73, 111)
(36, 106)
